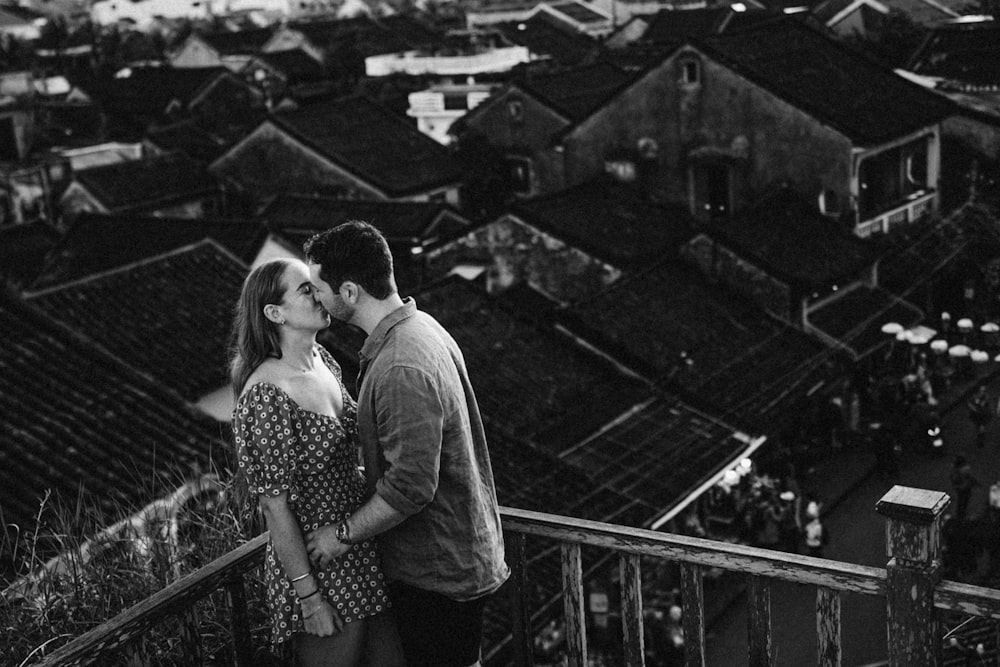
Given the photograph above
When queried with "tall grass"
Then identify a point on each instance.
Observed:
(99, 575)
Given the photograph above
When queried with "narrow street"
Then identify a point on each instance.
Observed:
(857, 536)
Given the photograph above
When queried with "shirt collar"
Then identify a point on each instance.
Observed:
(374, 341)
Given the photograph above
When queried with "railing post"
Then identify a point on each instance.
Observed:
(239, 623)
(913, 545)
(576, 625)
(520, 614)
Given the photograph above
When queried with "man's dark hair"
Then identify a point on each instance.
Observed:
(354, 251)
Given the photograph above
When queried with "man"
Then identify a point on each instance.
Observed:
(963, 481)
(433, 504)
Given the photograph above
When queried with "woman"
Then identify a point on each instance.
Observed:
(295, 431)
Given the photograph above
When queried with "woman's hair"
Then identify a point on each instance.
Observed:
(254, 337)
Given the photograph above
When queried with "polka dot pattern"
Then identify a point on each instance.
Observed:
(282, 447)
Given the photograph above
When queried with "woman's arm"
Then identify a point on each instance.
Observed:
(318, 614)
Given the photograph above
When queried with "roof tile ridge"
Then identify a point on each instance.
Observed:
(131, 266)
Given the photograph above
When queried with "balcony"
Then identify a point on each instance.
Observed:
(917, 205)
(909, 584)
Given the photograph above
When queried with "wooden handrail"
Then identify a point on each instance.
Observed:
(695, 555)
(173, 599)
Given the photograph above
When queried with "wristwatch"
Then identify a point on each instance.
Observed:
(344, 533)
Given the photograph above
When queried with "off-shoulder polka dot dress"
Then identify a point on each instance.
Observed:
(282, 447)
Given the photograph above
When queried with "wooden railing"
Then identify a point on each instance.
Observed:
(909, 584)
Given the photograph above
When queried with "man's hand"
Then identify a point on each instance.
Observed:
(323, 545)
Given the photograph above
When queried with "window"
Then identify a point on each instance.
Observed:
(690, 71)
(916, 166)
(519, 175)
(515, 109)
(711, 190)
(829, 202)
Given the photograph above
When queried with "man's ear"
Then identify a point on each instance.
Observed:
(350, 291)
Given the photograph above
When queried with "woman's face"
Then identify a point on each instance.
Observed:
(300, 308)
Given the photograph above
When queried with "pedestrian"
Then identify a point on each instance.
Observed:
(816, 536)
(980, 413)
(432, 504)
(962, 481)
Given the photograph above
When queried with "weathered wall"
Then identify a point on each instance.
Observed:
(514, 251)
(766, 139)
(529, 136)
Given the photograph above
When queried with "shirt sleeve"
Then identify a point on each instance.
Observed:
(410, 421)
(263, 427)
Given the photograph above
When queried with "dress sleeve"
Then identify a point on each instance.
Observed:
(264, 431)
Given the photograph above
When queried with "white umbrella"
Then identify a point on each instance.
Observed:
(940, 346)
(959, 351)
(892, 328)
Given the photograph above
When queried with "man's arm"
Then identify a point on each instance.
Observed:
(410, 424)
(374, 517)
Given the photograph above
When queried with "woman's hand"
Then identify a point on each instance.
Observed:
(320, 618)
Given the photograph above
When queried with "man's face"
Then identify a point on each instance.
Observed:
(329, 298)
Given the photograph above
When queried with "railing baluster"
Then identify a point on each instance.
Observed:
(693, 603)
(239, 622)
(828, 652)
(759, 622)
(576, 627)
(190, 637)
(630, 569)
(520, 613)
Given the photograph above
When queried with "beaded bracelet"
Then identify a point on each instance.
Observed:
(300, 577)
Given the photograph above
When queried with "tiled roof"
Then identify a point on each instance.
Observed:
(168, 316)
(531, 382)
(611, 221)
(578, 11)
(150, 89)
(579, 91)
(969, 53)
(23, 249)
(374, 144)
(659, 455)
(670, 26)
(740, 362)
(162, 179)
(189, 138)
(15, 15)
(541, 37)
(237, 42)
(827, 9)
(922, 12)
(68, 123)
(74, 418)
(412, 30)
(300, 216)
(856, 318)
(362, 33)
(786, 236)
(295, 64)
(97, 243)
(858, 97)
(528, 477)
